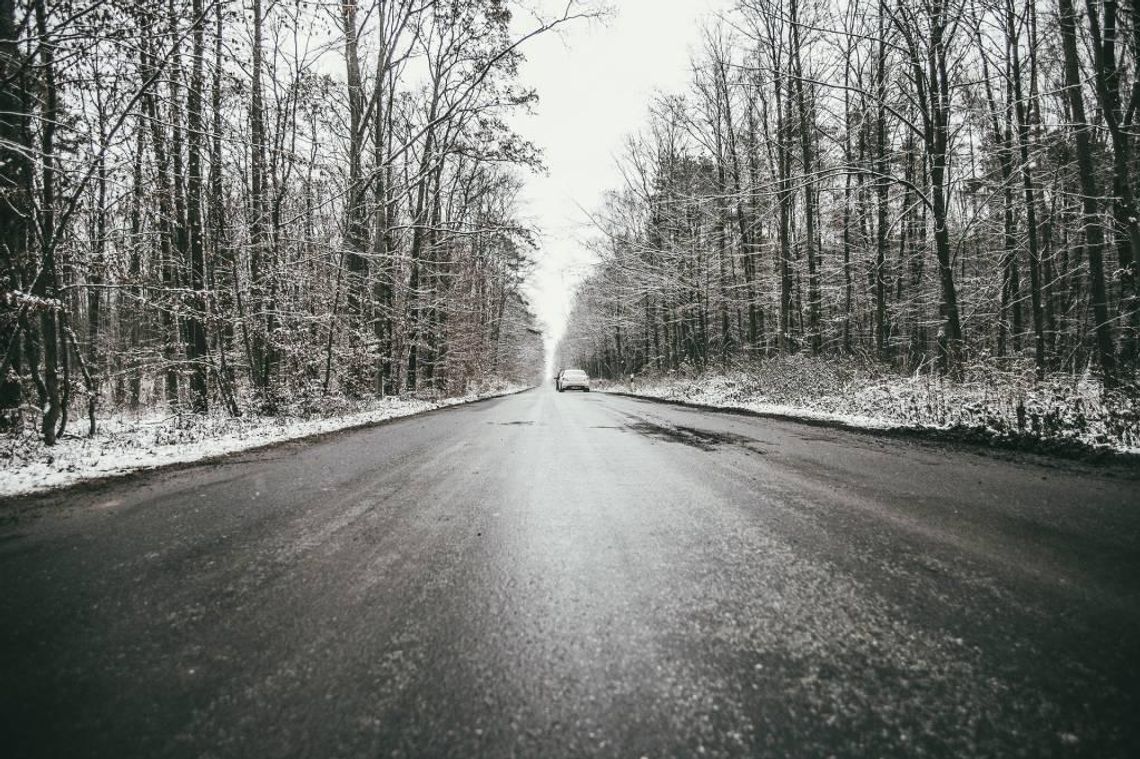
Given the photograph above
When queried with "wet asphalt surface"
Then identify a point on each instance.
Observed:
(556, 575)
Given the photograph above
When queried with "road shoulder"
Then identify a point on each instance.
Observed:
(978, 440)
(85, 463)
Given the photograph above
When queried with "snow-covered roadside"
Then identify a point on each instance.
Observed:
(1066, 411)
(125, 444)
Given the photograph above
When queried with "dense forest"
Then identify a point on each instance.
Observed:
(242, 204)
(930, 185)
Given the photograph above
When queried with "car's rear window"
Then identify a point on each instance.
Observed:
(574, 374)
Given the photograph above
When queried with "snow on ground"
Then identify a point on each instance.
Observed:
(127, 443)
(1063, 409)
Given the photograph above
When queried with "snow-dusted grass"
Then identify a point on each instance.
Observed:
(997, 404)
(128, 443)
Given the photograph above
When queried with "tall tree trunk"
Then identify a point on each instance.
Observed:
(786, 341)
(807, 131)
(223, 266)
(15, 204)
(848, 284)
(1119, 117)
(196, 327)
(882, 195)
(1086, 172)
(382, 245)
(166, 220)
(355, 238)
(1021, 115)
(47, 284)
(258, 338)
(417, 307)
(96, 273)
(934, 97)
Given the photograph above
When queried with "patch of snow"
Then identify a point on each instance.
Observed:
(1064, 408)
(125, 443)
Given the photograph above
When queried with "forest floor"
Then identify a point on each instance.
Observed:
(1064, 413)
(130, 442)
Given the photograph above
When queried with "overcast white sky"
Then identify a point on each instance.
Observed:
(594, 83)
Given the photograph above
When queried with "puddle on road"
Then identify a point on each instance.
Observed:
(705, 440)
(513, 424)
(817, 438)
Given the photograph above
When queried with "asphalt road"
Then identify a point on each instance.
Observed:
(551, 575)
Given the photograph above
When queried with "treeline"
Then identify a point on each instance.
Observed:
(246, 203)
(924, 184)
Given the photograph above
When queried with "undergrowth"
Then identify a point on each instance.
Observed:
(1007, 403)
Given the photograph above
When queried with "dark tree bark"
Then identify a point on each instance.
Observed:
(928, 42)
(258, 339)
(1086, 171)
(1119, 117)
(807, 128)
(1021, 115)
(223, 264)
(196, 343)
(47, 284)
(166, 213)
(882, 196)
(15, 203)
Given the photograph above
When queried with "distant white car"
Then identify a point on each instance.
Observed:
(573, 379)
